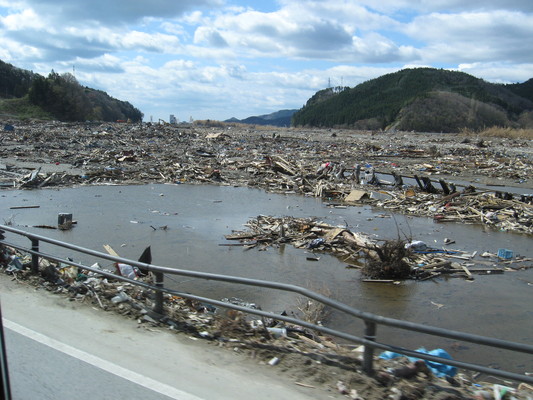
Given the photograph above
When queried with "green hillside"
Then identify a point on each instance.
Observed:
(24, 94)
(421, 99)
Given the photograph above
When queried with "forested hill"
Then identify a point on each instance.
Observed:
(421, 99)
(29, 95)
(278, 118)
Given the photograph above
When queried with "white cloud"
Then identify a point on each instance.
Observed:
(115, 11)
(173, 28)
(388, 6)
(156, 42)
(209, 36)
(310, 30)
(104, 64)
(216, 59)
(470, 37)
(499, 72)
(26, 19)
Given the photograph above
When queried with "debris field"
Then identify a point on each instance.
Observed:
(448, 177)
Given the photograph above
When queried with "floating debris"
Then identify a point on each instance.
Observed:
(379, 260)
(397, 172)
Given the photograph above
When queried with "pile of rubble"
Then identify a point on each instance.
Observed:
(359, 250)
(470, 207)
(329, 164)
(310, 359)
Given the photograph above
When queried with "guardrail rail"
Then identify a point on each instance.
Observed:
(371, 321)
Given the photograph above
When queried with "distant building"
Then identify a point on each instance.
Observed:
(173, 119)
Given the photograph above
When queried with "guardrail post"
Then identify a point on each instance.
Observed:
(368, 357)
(158, 306)
(35, 257)
(5, 389)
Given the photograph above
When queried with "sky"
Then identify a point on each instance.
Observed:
(217, 59)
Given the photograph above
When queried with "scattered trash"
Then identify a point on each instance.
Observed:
(22, 207)
(274, 361)
(120, 298)
(505, 254)
(315, 243)
(277, 332)
(416, 245)
(126, 270)
(355, 196)
(438, 369)
(234, 331)
(64, 221)
(14, 264)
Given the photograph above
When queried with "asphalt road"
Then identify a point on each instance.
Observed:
(58, 349)
(42, 368)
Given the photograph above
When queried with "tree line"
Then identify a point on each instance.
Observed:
(63, 97)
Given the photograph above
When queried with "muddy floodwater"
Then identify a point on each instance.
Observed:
(196, 218)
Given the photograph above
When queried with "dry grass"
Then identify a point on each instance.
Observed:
(224, 125)
(313, 311)
(511, 133)
(232, 322)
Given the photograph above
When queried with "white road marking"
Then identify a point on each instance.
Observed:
(98, 362)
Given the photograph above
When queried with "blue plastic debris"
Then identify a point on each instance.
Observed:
(9, 128)
(15, 264)
(505, 254)
(440, 370)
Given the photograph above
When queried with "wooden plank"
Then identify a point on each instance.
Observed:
(110, 250)
(356, 195)
(239, 236)
(440, 264)
(468, 273)
(237, 244)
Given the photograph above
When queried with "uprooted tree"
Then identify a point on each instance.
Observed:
(388, 261)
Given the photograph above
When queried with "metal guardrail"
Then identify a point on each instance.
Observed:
(371, 320)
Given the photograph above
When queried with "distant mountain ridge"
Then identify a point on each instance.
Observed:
(26, 94)
(421, 99)
(279, 118)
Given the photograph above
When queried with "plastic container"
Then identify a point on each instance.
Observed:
(277, 332)
(505, 254)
